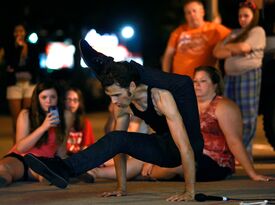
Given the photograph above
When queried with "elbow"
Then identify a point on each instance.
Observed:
(222, 53)
(216, 55)
(186, 151)
(166, 65)
(243, 48)
(20, 148)
(190, 153)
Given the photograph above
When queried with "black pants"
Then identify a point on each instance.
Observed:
(209, 170)
(155, 149)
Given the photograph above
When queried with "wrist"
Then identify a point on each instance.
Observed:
(190, 189)
(190, 194)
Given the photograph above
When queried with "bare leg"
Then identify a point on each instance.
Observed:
(166, 173)
(11, 169)
(15, 106)
(134, 167)
(36, 176)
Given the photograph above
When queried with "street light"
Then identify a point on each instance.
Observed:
(127, 32)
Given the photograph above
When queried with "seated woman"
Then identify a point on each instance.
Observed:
(38, 132)
(221, 127)
(80, 128)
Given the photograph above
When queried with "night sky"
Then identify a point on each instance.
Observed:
(152, 19)
(58, 20)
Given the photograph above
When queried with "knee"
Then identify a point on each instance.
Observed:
(3, 168)
(5, 175)
(116, 135)
(115, 138)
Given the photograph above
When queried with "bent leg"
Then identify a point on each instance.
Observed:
(149, 148)
(163, 173)
(11, 169)
(134, 167)
(15, 108)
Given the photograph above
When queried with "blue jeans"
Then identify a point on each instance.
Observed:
(155, 149)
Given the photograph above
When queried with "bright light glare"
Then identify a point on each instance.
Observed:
(108, 44)
(33, 38)
(127, 32)
(105, 43)
(59, 55)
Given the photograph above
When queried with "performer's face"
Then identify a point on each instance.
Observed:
(119, 96)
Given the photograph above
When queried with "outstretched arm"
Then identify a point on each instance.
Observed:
(165, 104)
(229, 118)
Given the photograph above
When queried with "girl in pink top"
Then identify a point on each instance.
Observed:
(37, 131)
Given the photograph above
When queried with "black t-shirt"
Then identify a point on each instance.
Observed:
(182, 89)
(31, 65)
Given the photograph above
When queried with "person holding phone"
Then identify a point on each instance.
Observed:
(38, 131)
(54, 111)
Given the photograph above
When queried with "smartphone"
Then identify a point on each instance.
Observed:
(54, 111)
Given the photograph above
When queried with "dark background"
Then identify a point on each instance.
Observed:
(58, 20)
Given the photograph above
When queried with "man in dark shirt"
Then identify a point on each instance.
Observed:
(166, 102)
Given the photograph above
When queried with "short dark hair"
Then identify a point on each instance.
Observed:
(120, 73)
(185, 2)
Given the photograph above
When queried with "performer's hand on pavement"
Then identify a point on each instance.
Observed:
(114, 193)
(185, 196)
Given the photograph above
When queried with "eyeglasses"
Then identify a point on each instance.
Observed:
(74, 100)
